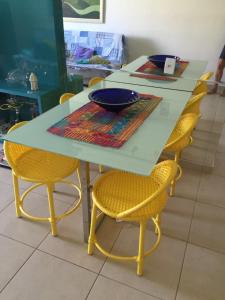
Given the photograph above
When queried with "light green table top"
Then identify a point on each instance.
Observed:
(138, 155)
(186, 82)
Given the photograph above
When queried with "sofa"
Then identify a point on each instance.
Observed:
(92, 53)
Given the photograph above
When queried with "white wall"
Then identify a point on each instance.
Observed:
(191, 29)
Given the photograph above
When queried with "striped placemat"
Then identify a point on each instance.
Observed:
(154, 77)
(93, 124)
(150, 68)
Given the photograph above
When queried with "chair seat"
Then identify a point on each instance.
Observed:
(118, 191)
(40, 166)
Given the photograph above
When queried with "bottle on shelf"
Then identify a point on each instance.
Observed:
(33, 82)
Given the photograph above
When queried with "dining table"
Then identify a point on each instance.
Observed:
(185, 82)
(138, 154)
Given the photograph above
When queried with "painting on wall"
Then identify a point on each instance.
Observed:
(83, 10)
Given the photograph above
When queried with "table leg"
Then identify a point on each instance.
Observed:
(86, 203)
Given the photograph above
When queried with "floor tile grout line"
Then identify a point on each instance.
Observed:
(43, 239)
(177, 238)
(2, 210)
(196, 199)
(113, 244)
(206, 248)
(198, 191)
(8, 282)
(182, 197)
(196, 202)
(209, 204)
(214, 119)
(220, 151)
(25, 244)
(181, 270)
(189, 242)
(91, 287)
(216, 110)
(67, 261)
(132, 287)
(18, 241)
(188, 236)
(100, 274)
(189, 231)
(214, 123)
(39, 250)
(219, 175)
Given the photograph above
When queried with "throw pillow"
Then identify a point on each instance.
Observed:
(83, 53)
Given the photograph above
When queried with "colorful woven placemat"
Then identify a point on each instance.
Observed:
(150, 68)
(93, 124)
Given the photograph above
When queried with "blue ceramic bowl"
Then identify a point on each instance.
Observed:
(114, 99)
(159, 60)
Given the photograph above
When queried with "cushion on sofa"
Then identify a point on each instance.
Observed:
(95, 59)
(83, 53)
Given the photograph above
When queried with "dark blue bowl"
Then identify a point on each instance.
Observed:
(159, 60)
(114, 99)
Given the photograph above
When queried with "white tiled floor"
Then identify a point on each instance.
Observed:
(189, 263)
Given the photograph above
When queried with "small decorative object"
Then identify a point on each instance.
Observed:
(114, 99)
(83, 10)
(15, 77)
(159, 60)
(33, 82)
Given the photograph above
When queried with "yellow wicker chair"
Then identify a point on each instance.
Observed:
(94, 81)
(65, 97)
(131, 197)
(41, 168)
(180, 139)
(193, 105)
(201, 85)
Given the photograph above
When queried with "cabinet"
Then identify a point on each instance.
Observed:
(32, 40)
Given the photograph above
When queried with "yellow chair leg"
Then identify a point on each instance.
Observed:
(51, 209)
(140, 258)
(100, 169)
(173, 183)
(91, 239)
(78, 176)
(158, 219)
(17, 195)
